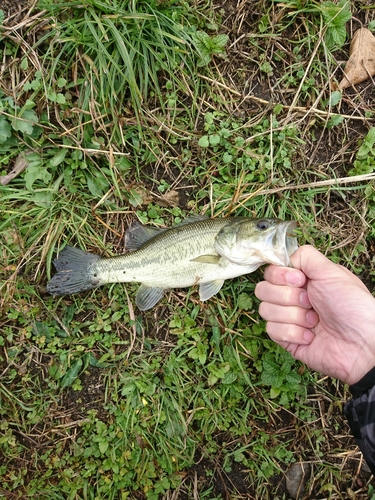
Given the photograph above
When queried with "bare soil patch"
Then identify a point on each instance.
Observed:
(14, 10)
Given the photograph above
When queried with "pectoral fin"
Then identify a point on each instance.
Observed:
(208, 259)
(208, 290)
(148, 296)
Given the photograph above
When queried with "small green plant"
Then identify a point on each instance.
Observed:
(234, 153)
(266, 67)
(333, 15)
(16, 119)
(208, 46)
(371, 492)
(364, 162)
(279, 371)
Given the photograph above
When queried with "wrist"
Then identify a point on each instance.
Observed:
(363, 364)
(363, 384)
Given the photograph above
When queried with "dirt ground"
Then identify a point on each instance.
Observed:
(14, 10)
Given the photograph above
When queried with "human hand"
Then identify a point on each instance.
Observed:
(321, 313)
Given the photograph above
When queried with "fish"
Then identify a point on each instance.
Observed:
(199, 251)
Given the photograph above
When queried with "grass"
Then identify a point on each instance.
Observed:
(153, 111)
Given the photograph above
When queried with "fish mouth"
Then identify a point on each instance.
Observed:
(291, 244)
(284, 243)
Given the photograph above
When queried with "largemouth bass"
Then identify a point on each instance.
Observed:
(199, 251)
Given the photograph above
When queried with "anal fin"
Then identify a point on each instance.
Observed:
(148, 296)
(208, 290)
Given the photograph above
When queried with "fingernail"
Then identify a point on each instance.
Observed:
(304, 299)
(308, 336)
(293, 278)
(312, 318)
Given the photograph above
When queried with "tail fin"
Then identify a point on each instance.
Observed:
(75, 272)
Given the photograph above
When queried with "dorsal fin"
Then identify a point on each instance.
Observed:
(137, 235)
(190, 219)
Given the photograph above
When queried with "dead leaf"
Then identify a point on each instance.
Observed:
(20, 165)
(139, 195)
(361, 63)
(170, 199)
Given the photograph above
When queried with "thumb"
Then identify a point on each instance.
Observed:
(313, 263)
(317, 267)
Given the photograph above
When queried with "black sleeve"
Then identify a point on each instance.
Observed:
(360, 412)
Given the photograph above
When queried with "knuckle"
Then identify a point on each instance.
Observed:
(271, 330)
(289, 295)
(259, 288)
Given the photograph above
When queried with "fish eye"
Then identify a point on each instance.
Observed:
(263, 225)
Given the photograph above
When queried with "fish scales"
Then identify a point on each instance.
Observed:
(166, 260)
(198, 251)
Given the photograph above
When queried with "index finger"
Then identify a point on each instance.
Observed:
(279, 275)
